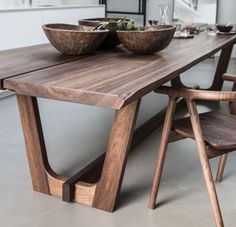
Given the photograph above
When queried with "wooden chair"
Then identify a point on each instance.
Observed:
(214, 133)
(223, 159)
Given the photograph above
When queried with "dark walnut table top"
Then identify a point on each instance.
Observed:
(18, 61)
(115, 78)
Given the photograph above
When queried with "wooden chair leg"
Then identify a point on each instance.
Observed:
(233, 104)
(223, 158)
(205, 163)
(221, 168)
(162, 151)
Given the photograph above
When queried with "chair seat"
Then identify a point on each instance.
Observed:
(219, 129)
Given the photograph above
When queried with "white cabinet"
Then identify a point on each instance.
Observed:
(20, 29)
(82, 2)
(71, 15)
(24, 27)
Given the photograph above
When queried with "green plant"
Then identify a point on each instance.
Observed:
(123, 25)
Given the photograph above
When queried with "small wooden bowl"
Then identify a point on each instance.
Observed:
(73, 39)
(112, 40)
(152, 39)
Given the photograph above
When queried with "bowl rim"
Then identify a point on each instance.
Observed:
(45, 26)
(99, 19)
(172, 27)
(224, 25)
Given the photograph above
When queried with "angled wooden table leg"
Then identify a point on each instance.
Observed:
(102, 195)
(108, 187)
(35, 146)
(222, 68)
(44, 179)
(176, 82)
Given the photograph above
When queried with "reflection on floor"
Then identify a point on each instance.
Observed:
(69, 130)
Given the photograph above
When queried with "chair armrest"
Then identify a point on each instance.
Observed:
(229, 77)
(191, 94)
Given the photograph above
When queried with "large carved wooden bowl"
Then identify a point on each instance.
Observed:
(73, 39)
(153, 39)
(112, 40)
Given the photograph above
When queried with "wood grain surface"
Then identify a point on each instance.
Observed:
(28, 59)
(118, 147)
(34, 142)
(205, 164)
(114, 79)
(212, 122)
(211, 130)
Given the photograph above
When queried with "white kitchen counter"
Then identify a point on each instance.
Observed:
(23, 25)
(47, 7)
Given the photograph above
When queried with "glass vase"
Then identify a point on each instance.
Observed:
(163, 11)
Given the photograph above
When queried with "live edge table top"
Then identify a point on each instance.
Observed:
(113, 79)
(19, 61)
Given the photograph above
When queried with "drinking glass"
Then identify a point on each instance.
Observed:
(211, 30)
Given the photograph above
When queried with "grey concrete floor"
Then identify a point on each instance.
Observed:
(74, 135)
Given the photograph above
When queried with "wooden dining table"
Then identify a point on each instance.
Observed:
(115, 79)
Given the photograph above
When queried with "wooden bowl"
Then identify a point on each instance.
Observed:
(152, 39)
(73, 39)
(112, 40)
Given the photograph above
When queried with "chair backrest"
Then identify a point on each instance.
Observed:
(191, 94)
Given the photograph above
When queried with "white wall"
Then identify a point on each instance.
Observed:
(10, 3)
(227, 14)
(15, 3)
(153, 12)
(29, 23)
(227, 11)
